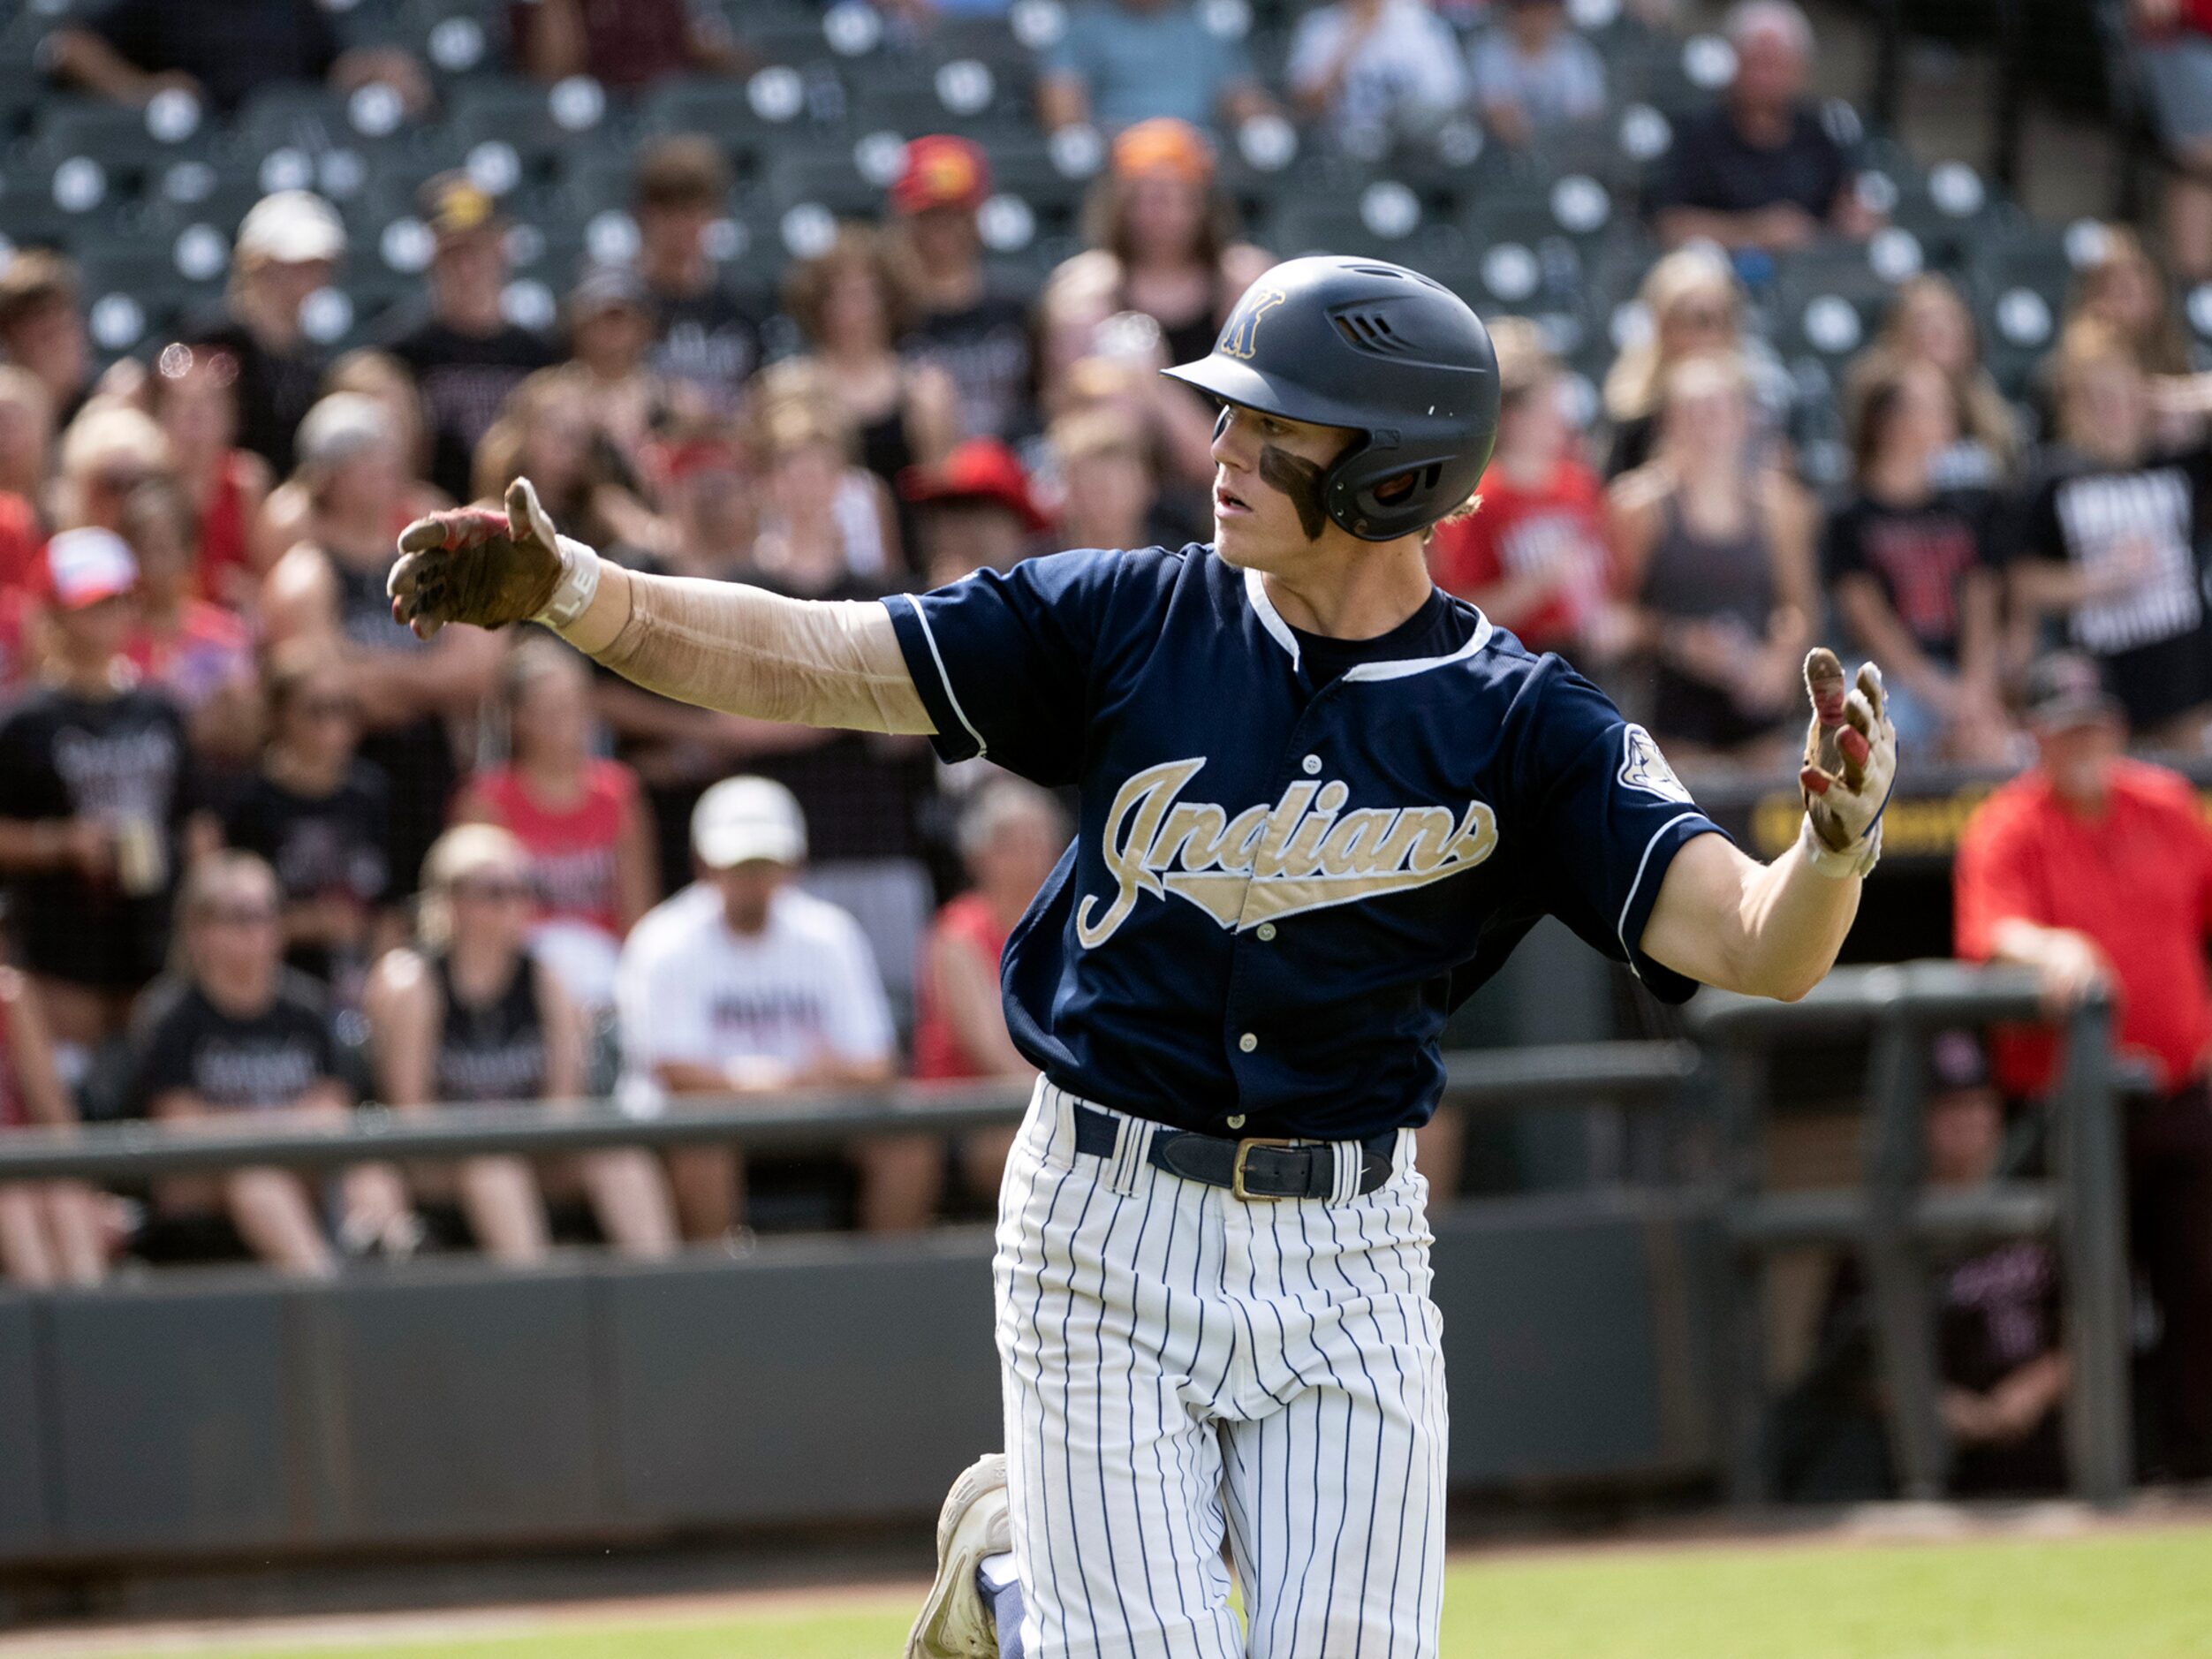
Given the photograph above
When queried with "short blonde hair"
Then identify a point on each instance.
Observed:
(460, 852)
(107, 425)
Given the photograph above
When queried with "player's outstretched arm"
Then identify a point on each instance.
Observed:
(1774, 930)
(720, 645)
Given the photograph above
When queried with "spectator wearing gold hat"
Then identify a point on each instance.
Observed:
(1121, 61)
(466, 355)
(1164, 270)
(977, 334)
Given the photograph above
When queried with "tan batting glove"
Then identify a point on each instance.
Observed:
(477, 565)
(1851, 759)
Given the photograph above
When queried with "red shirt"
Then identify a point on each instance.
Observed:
(2138, 881)
(22, 543)
(223, 528)
(209, 648)
(1557, 526)
(573, 849)
(938, 1052)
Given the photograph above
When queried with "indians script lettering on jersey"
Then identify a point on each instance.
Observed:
(1303, 852)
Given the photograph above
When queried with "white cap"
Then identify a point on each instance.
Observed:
(292, 227)
(741, 819)
(86, 566)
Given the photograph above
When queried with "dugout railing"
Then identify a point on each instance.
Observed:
(1897, 1223)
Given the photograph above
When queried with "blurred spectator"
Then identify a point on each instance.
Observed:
(1533, 73)
(1375, 70)
(1108, 492)
(1929, 323)
(1010, 836)
(974, 512)
(1915, 576)
(220, 50)
(193, 395)
(742, 984)
(95, 786)
(1535, 559)
(412, 693)
(235, 1033)
(2123, 290)
(465, 356)
(2095, 871)
(547, 432)
(473, 1016)
(704, 475)
(288, 514)
(2108, 543)
(579, 818)
(321, 816)
(624, 43)
(703, 339)
(42, 327)
(1716, 550)
(610, 331)
(26, 432)
(2002, 1369)
(2173, 45)
(288, 246)
(825, 524)
(1758, 169)
(849, 305)
(957, 319)
(108, 452)
(1125, 61)
(1691, 305)
(198, 653)
(1163, 244)
(50, 1232)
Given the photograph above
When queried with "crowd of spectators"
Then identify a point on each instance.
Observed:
(266, 852)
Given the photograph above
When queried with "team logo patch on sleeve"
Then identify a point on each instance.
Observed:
(1644, 768)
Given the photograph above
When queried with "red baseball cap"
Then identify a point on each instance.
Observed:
(86, 566)
(941, 171)
(979, 469)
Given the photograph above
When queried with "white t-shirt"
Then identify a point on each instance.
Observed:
(1406, 72)
(688, 989)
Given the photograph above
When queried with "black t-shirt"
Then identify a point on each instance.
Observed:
(1920, 557)
(1437, 629)
(274, 392)
(332, 845)
(463, 380)
(2153, 633)
(251, 1064)
(124, 762)
(1711, 165)
(229, 47)
(987, 349)
(706, 340)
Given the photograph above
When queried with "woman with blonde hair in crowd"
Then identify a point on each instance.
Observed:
(578, 815)
(1929, 322)
(824, 521)
(1691, 304)
(1715, 551)
(1164, 247)
(1108, 488)
(548, 432)
(851, 305)
(196, 649)
(418, 699)
(2124, 289)
(471, 1016)
(193, 392)
(106, 452)
(51, 1232)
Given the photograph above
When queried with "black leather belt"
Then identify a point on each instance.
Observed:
(1254, 1168)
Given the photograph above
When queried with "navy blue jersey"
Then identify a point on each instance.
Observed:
(1281, 883)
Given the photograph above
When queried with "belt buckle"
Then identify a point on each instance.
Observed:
(1237, 1170)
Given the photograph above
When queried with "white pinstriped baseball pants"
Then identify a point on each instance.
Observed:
(1178, 1363)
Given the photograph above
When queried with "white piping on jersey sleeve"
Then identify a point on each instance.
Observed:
(943, 679)
(1621, 928)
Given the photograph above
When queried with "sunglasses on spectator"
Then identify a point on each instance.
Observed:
(493, 890)
(330, 708)
(121, 481)
(238, 915)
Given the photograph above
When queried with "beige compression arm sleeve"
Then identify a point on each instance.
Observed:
(723, 645)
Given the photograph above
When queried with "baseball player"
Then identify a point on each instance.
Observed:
(1321, 801)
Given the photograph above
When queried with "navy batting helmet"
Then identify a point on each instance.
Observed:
(1361, 343)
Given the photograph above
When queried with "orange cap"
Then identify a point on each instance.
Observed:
(1164, 146)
